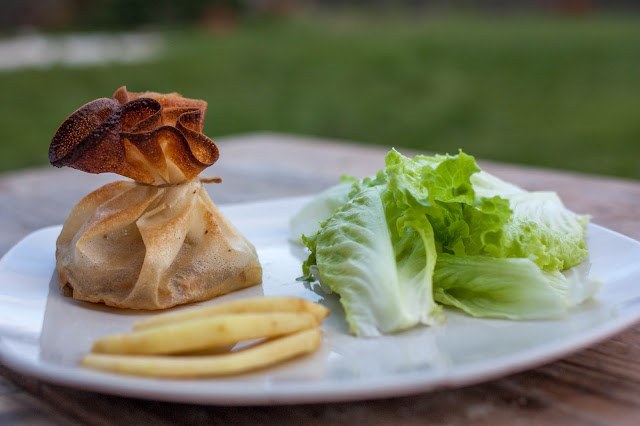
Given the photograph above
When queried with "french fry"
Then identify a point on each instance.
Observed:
(253, 305)
(203, 339)
(197, 334)
(251, 358)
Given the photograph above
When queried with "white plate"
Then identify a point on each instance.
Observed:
(44, 334)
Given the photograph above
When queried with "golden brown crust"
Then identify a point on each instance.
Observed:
(150, 137)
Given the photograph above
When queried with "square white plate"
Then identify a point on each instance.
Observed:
(44, 334)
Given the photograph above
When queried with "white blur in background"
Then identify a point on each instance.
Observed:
(35, 50)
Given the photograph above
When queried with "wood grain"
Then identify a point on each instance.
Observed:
(599, 385)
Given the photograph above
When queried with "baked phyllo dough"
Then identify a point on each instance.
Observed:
(158, 240)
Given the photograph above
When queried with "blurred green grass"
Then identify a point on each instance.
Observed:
(554, 92)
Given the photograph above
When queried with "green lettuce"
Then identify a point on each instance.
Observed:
(512, 288)
(541, 228)
(463, 223)
(438, 229)
(380, 262)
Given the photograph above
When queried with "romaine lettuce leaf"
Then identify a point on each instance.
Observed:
(380, 264)
(541, 229)
(545, 231)
(462, 223)
(512, 288)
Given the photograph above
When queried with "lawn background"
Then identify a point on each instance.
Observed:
(549, 91)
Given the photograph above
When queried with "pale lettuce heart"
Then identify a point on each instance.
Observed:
(543, 230)
(380, 263)
(487, 185)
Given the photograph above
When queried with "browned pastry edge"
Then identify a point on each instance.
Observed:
(97, 137)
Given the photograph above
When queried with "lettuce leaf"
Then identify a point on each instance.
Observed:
(542, 229)
(545, 231)
(512, 288)
(462, 222)
(380, 264)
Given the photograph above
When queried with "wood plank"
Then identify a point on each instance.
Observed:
(18, 406)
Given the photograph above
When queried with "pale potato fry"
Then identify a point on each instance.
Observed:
(197, 334)
(251, 358)
(253, 305)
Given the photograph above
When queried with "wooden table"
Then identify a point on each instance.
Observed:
(600, 385)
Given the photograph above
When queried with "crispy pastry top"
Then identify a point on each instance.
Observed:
(150, 137)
